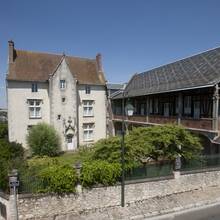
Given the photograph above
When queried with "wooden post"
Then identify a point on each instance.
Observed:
(147, 109)
(215, 108)
(180, 108)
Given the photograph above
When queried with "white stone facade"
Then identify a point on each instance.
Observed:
(76, 110)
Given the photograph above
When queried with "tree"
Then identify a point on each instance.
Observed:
(165, 142)
(156, 143)
(109, 149)
(44, 140)
(3, 131)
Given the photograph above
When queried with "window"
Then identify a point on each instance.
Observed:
(88, 132)
(34, 108)
(156, 106)
(62, 84)
(63, 99)
(151, 106)
(88, 108)
(58, 117)
(34, 87)
(88, 89)
(187, 105)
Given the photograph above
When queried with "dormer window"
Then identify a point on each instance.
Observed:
(62, 84)
(88, 89)
(34, 87)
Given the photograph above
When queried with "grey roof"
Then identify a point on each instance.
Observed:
(115, 86)
(201, 70)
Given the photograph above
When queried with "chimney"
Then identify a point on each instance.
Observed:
(99, 62)
(10, 51)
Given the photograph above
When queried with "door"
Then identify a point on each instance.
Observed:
(70, 142)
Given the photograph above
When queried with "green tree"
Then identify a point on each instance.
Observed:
(109, 149)
(44, 140)
(3, 131)
(163, 142)
(157, 143)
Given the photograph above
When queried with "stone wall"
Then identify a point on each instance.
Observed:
(51, 206)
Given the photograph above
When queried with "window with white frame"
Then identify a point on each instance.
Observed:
(88, 108)
(34, 108)
(62, 84)
(88, 132)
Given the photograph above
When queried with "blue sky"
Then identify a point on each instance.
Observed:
(132, 35)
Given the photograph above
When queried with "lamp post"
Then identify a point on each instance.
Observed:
(128, 110)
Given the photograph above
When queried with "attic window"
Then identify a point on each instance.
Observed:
(34, 87)
(62, 84)
(88, 89)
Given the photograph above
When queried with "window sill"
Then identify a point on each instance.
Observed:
(88, 140)
(35, 117)
(88, 116)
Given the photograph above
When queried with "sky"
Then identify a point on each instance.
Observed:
(132, 35)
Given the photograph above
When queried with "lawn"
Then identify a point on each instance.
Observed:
(71, 158)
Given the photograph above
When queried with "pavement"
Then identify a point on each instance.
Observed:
(201, 204)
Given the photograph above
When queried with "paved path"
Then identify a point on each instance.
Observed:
(189, 205)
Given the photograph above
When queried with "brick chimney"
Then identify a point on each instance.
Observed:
(10, 51)
(99, 62)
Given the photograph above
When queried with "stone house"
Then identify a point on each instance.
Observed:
(65, 91)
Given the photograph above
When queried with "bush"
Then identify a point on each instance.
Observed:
(44, 140)
(58, 178)
(47, 175)
(109, 149)
(11, 156)
(162, 142)
(3, 131)
(100, 172)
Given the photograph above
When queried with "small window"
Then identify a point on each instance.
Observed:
(58, 117)
(34, 87)
(62, 84)
(88, 89)
(88, 132)
(63, 99)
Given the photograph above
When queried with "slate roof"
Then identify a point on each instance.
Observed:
(36, 66)
(201, 70)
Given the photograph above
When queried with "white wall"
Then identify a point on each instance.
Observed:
(98, 94)
(67, 110)
(18, 111)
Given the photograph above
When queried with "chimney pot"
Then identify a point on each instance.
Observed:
(11, 51)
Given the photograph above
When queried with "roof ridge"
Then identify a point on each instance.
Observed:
(55, 54)
(177, 60)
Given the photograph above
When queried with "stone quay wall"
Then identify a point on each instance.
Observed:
(53, 206)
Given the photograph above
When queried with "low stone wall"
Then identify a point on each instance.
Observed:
(52, 206)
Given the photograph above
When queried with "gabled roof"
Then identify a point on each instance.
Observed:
(201, 70)
(36, 66)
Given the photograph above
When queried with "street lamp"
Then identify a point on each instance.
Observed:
(128, 110)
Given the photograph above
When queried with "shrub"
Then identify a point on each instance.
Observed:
(58, 178)
(44, 140)
(3, 131)
(109, 149)
(11, 156)
(100, 172)
(162, 142)
(46, 174)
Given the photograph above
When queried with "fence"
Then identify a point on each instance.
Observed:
(150, 171)
(204, 162)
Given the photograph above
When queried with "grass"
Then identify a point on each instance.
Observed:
(71, 158)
